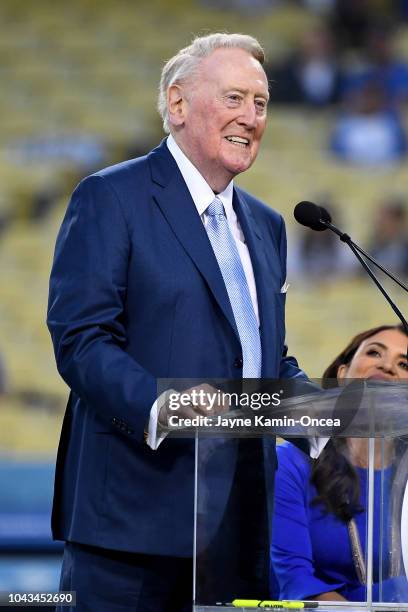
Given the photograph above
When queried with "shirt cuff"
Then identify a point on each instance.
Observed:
(316, 446)
(154, 438)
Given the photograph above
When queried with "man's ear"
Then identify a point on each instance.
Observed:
(176, 105)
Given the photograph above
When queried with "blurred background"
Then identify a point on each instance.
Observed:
(78, 92)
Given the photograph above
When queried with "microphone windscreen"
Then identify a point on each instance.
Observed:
(311, 215)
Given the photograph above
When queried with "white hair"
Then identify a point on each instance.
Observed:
(183, 65)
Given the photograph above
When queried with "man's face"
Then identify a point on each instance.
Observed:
(224, 115)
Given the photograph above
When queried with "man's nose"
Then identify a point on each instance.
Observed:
(248, 117)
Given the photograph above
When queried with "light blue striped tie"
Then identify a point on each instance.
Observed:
(229, 261)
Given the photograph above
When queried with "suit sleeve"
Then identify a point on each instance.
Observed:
(291, 551)
(86, 315)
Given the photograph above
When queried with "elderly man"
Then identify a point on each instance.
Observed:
(162, 269)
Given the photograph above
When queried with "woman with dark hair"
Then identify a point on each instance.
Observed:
(319, 528)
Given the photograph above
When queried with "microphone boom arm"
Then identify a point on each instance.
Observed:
(375, 280)
(346, 238)
(356, 250)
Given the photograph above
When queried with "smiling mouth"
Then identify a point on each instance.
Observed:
(238, 141)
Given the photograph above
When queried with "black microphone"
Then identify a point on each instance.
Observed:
(319, 219)
(311, 215)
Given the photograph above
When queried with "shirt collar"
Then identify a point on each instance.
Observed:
(198, 187)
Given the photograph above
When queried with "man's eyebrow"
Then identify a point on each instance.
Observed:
(245, 91)
(384, 346)
(264, 95)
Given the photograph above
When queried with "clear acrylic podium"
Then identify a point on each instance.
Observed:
(233, 520)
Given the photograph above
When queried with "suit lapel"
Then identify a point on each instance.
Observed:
(266, 306)
(174, 199)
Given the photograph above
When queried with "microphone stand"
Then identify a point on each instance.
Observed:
(357, 250)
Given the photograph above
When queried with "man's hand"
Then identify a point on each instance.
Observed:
(201, 400)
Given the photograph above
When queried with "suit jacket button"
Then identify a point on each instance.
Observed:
(238, 363)
(129, 431)
(114, 421)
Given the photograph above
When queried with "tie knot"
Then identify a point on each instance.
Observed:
(216, 208)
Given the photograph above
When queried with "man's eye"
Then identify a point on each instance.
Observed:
(260, 105)
(404, 365)
(234, 98)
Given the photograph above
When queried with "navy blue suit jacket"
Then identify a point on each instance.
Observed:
(135, 295)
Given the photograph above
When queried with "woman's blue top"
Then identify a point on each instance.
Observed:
(311, 551)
